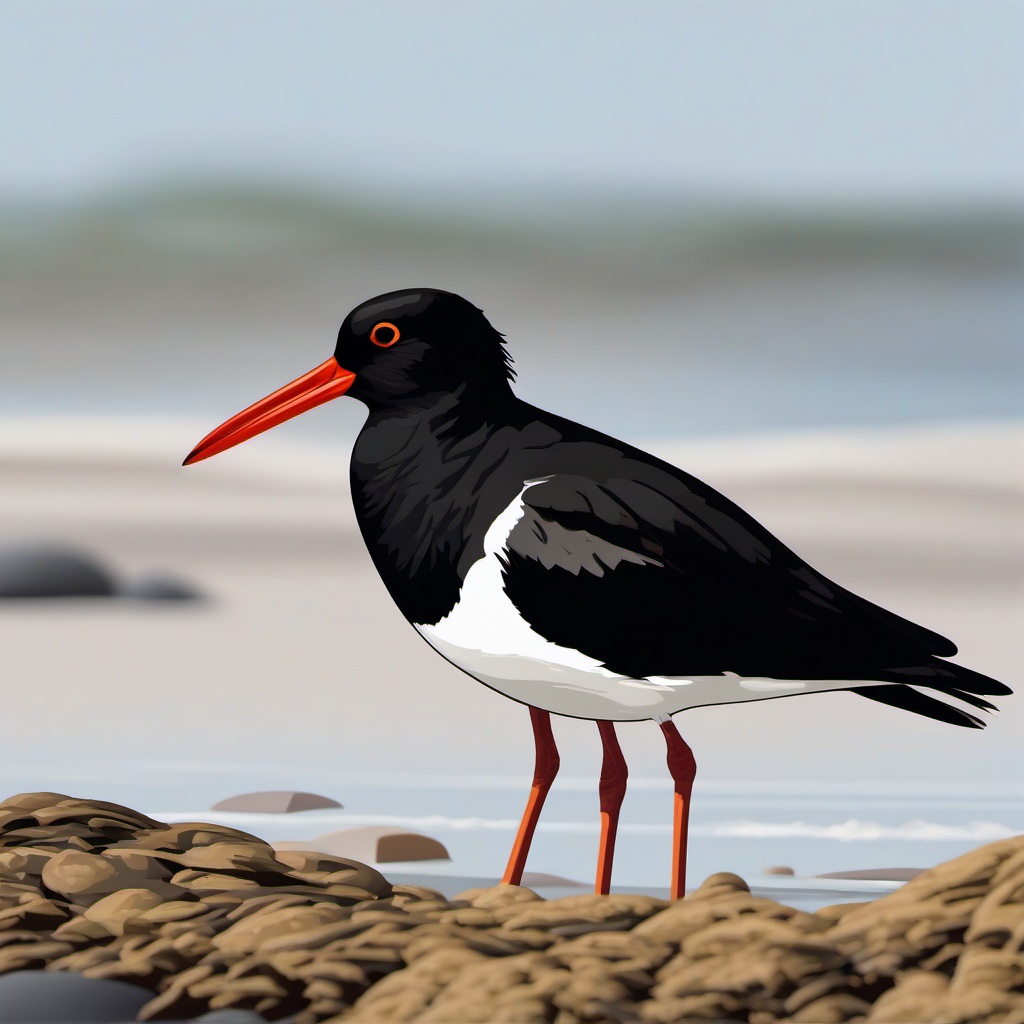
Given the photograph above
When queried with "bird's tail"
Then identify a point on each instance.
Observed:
(948, 679)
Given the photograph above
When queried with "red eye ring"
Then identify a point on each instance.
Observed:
(386, 341)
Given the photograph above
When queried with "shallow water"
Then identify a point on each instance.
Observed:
(744, 827)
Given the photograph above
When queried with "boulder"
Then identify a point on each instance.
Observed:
(51, 570)
(55, 997)
(160, 586)
(275, 801)
(376, 843)
(876, 874)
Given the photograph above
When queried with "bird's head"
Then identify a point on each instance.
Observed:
(399, 349)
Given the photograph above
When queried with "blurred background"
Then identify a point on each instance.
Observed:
(781, 245)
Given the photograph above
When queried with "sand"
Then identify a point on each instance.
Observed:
(300, 654)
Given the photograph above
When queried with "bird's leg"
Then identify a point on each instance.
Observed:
(612, 789)
(545, 769)
(683, 767)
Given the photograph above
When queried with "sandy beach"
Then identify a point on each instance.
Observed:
(296, 671)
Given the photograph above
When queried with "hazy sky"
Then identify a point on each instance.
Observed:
(817, 99)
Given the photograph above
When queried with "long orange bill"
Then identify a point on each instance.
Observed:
(328, 380)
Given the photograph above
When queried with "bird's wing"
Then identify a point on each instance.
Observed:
(652, 572)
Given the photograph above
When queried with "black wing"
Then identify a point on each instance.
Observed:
(652, 572)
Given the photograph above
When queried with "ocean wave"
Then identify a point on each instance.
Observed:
(851, 830)
(942, 790)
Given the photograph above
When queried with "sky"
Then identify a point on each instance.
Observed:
(807, 100)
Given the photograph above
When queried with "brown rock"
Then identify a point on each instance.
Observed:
(23, 862)
(177, 1000)
(685, 917)
(718, 884)
(832, 1009)
(249, 933)
(277, 801)
(576, 909)
(999, 970)
(486, 990)
(875, 874)
(618, 951)
(314, 937)
(19, 956)
(499, 896)
(184, 835)
(31, 801)
(468, 917)
(87, 877)
(267, 902)
(326, 869)
(377, 843)
(407, 894)
(115, 910)
(234, 856)
(199, 883)
(919, 996)
(405, 995)
(35, 913)
(96, 814)
(173, 910)
(80, 931)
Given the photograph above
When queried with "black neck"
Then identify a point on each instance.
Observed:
(417, 474)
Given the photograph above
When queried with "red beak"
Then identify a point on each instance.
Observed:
(327, 381)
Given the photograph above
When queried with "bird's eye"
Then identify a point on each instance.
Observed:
(385, 334)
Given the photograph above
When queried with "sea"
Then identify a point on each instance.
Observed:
(742, 826)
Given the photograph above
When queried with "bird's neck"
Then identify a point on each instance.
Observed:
(416, 478)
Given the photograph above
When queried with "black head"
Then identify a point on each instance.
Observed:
(408, 345)
(400, 350)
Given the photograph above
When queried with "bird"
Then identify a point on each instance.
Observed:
(577, 574)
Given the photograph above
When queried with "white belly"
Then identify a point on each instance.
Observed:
(485, 636)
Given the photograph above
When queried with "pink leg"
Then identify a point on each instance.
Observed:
(544, 772)
(682, 767)
(612, 790)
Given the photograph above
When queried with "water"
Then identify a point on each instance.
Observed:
(744, 827)
(800, 345)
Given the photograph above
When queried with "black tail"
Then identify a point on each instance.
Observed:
(948, 679)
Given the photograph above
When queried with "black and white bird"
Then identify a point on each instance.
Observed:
(577, 574)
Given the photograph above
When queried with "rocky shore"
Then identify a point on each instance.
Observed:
(208, 917)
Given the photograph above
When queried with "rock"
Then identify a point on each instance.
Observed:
(88, 877)
(158, 586)
(113, 912)
(51, 570)
(895, 934)
(276, 801)
(875, 874)
(781, 869)
(248, 934)
(209, 919)
(377, 843)
(55, 997)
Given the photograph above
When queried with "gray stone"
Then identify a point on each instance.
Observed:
(158, 586)
(45, 570)
(377, 844)
(275, 801)
(59, 997)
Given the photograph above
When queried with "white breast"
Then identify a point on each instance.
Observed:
(486, 637)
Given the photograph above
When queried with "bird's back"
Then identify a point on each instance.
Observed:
(604, 551)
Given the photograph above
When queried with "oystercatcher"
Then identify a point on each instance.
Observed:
(577, 574)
